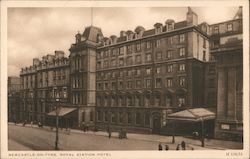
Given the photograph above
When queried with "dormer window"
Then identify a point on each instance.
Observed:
(139, 31)
(170, 27)
(170, 24)
(158, 30)
(130, 37)
(230, 27)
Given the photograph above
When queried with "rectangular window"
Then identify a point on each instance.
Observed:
(121, 51)
(158, 83)
(113, 85)
(148, 45)
(158, 30)
(181, 101)
(182, 81)
(148, 83)
(106, 53)
(138, 47)
(229, 27)
(120, 85)
(148, 71)
(98, 56)
(182, 38)
(158, 70)
(137, 118)
(106, 64)
(170, 26)
(171, 40)
(113, 74)
(216, 30)
(169, 82)
(182, 67)
(121, 62)
(129, 85)
(137, 72)
(99, 115)
(138, 58)
(99, 66)
(113, 62)
(158, 55)
(106, 86)
(113, 118)
(129, 73)
(130, 48)
(129, 117)
(204, 43)
(182, 52)
(138, 84)
(169, 54)
(148, 57)
(129, 60)
(114, 52)
(120, 117)
(169, 68)
(158, 43)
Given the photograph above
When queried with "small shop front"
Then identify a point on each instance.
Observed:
(67, 117)
(197, 122)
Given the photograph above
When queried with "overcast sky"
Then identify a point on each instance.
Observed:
(35, 32)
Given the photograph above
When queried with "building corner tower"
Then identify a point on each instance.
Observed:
(83, 74)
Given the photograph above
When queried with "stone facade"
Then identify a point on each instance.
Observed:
(136, 79)
(39, 83)
(228, 52)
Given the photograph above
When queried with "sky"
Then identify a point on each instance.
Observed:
(35, 32)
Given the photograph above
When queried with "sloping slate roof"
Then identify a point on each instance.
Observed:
(195, 114)
(63, 111)
(180, 24)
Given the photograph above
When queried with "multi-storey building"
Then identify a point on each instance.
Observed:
(14, 86)
(226, 46)
(137, 79)
(144, 75)
(41, 82)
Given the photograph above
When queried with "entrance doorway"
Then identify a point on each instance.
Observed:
(156, 124)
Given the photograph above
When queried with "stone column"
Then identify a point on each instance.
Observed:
(231, 93)
(221, 96)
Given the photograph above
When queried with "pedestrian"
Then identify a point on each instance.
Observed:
(183, 145)
(109, 134)
(166, 147)
(159, 147)
(178, 147)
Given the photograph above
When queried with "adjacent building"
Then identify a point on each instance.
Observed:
(42, 83)
(227, 48)
(14, 86)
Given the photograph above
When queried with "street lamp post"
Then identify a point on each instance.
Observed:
(57, 98)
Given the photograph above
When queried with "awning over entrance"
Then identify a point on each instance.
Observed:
(195, 115)
(63, 111)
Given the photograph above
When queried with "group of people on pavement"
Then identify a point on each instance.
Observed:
(160, 147)
(39, 124)
(181, 146)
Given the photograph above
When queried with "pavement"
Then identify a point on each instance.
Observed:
(142, 139)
